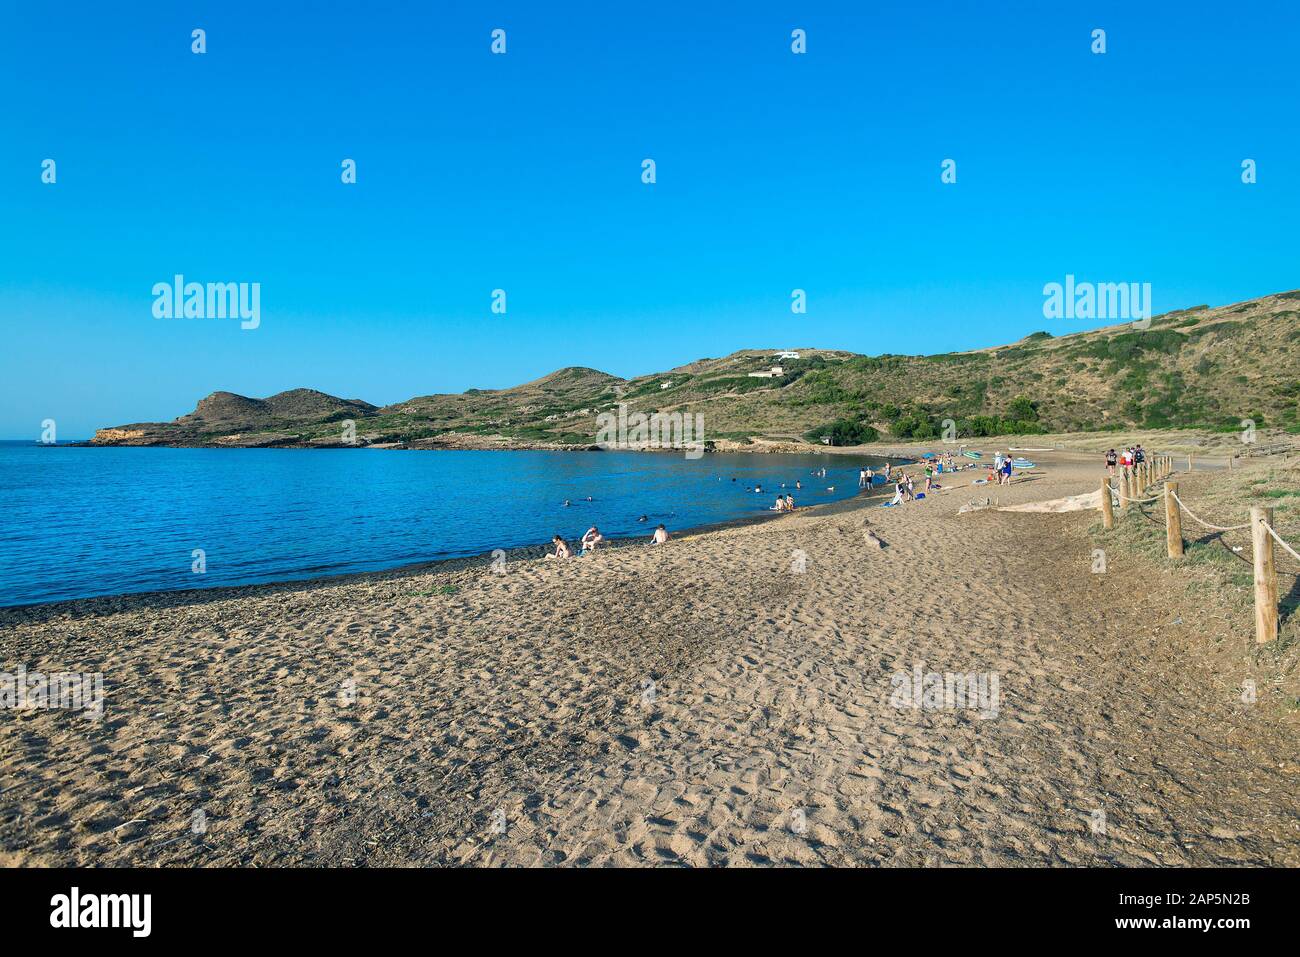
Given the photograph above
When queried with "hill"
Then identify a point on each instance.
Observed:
(1203, 368)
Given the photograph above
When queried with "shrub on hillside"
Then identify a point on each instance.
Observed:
(843, 432)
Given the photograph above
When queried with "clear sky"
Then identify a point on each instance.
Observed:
(523, 172)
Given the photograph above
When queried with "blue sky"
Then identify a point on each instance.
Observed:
(523, 172)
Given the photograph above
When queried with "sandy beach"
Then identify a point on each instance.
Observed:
(700, 703)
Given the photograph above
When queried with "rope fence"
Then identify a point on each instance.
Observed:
(1278, 538)
(1137, 479)
(1200, 521)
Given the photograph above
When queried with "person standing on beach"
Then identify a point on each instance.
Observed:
(862, 478)
(660, 536)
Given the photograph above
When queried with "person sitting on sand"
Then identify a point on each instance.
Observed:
(591, 539)
(660, 536)
(789, 503)
(562, 549)
(780, 504)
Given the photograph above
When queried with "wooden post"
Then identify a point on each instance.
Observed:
(1189, 462)
(1107, 508)
(1130, 492)
(1173, 522)
(1265, 576)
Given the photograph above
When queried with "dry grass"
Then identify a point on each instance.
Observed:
(1218, 565)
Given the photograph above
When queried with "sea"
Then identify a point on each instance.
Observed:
(81, 521)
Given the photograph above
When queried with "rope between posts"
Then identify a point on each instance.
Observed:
(1132, 501)
(1278, 538)
(1217, 528)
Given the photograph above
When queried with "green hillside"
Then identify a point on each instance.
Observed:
(1195, 368)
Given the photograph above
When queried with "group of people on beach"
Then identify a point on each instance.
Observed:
(592, 538)
(1131, 456)
(1001, 471)
(904, 489)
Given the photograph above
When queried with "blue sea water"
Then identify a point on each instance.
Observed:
(81, 521)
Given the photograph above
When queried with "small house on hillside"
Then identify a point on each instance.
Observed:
(771, 373)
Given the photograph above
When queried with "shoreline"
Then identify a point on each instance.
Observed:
(732, 448)
(388, 718)
(159, 597)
